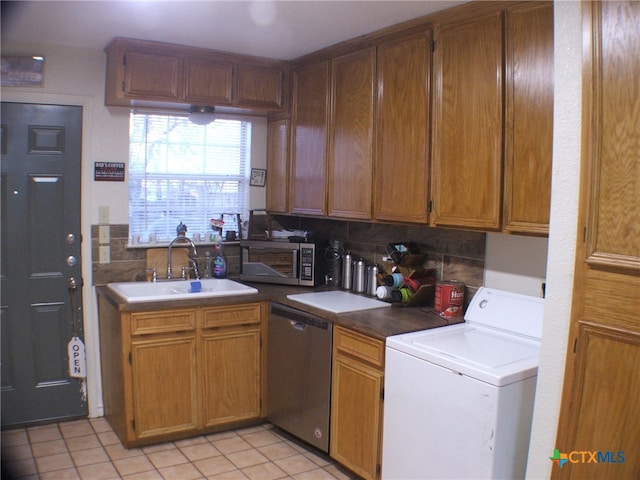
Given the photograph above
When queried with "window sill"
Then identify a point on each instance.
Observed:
(181, 244)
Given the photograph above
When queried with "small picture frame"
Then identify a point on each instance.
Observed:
(258, 177)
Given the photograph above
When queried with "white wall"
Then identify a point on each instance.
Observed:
(515, 263)
(76, 76)
(562, 236)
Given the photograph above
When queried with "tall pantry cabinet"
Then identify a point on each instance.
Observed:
(599, 410)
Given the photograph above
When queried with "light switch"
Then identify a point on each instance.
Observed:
(105, 254)
(104, 234)
(103, 214)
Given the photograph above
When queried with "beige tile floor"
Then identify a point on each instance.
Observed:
(88, 449)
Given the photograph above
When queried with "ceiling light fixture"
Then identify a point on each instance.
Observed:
(201, 115)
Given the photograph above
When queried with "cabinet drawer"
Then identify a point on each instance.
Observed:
(360, 346)
(163, 322)
(230, 315)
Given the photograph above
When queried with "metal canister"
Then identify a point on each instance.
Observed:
(333, 256)
(449, 299)
(372, 280)
(347, 272)
(359, 276)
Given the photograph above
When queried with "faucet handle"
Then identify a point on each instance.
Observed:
(151, 274)
(186, 272)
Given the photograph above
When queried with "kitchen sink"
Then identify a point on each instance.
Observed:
(179, 289)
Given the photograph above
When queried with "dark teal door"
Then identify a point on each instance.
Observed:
(40, 251)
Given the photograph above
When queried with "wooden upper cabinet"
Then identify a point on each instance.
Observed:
(208, 82)
(260, 86)
(468, 123)
(402, 129)
(308, 156)
(155, 74)
(152, 75)
(278, 165)
(529, 117)
(350, 159)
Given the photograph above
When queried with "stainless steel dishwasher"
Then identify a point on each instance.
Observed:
(299, 374)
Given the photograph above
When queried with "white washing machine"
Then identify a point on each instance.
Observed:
(459, 399)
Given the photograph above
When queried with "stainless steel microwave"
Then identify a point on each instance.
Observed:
(286, 263)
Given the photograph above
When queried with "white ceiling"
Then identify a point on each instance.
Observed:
(269, 28)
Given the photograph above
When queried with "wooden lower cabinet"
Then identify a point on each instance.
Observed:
(164, 388)
(356, 402)
(174, 373)
(230, 362)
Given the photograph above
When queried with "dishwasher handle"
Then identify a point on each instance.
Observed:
(298, 318)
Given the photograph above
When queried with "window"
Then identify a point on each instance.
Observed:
(182, 172)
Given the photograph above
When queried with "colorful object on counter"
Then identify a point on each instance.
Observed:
(449, 299)
(401, 295)
(195, 287)
(395, 280)
(219, 263)
(383, 292)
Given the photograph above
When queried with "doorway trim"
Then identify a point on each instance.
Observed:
(89, 302)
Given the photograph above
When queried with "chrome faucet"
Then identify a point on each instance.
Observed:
(177, 239)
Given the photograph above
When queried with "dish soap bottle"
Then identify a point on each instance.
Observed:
(219, 263)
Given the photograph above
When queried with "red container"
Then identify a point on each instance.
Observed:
(449, 300)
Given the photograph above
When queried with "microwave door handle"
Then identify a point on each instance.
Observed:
(295, 253)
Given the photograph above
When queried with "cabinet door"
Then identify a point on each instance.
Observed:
(260, 87)
(230, 364)
(152, 76)
(529, 118)
(164, 386)
(350, 159)
(310, 110)
(602, 374)
(356, 413)
(278, 166)
(402, 130)
(356, 401)
(208, 82)
(468, 124)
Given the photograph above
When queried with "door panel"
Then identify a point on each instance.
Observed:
(41, 158)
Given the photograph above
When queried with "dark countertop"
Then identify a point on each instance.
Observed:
(378, 323)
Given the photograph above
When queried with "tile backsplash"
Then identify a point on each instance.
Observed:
(455, 254)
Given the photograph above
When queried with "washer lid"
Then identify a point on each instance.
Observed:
(510, 312)
(488, 355)
(499, 343)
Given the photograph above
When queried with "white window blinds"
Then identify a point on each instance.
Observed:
(182, 172)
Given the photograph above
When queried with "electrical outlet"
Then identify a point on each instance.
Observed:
(103, 214)
(104, 235)
(105, 254)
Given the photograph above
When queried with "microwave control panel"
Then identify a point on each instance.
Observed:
(307, 256)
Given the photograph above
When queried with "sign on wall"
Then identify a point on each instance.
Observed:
(24, 71)
(108, 172)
